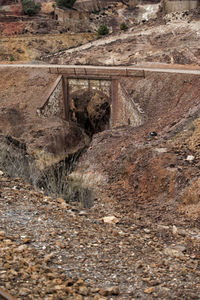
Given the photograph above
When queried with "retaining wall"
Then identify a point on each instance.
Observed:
(73, 19)
(180, 5)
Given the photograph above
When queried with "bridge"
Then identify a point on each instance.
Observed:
(90, 78)
(74, 78)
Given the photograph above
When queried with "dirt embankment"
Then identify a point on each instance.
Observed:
(151, 173)
(22, 92)
(172, 39)
(147, 185)
(146, 179)
(145, 168)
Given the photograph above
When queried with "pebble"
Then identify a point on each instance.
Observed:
(175, 250)
(149, 290)
(24, 292)
(83, 290)
(82, 213)
(109, 291)
(21, 248)
(111, 220)
(2, 233)
(174, 229)
(190, 158)
(48, 257)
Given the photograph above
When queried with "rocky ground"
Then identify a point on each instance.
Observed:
(172, 39)
(151, 37)
(135, 233)
(52, 250)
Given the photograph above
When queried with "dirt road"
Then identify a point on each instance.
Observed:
(153, 68)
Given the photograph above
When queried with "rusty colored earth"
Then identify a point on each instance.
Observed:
(136, 233)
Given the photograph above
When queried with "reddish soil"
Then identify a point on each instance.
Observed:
(151, 174)
(146, 179)
(8, 28)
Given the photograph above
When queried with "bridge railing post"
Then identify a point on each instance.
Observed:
(114, 102)
(65, 87)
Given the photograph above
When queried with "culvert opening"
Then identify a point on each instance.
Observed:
(91, 111)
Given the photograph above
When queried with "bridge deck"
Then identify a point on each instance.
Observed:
(96, 72)
(108, 71)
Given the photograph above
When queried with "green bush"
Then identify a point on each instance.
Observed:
(123, 26)
(30, 8)
(12, 58)
(65, 3)
(103, 30)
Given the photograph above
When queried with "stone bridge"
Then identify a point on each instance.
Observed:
(105, 80)
(111, 82)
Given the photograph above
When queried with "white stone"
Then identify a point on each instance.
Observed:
(110, 220)
(190, 158)
(174, 229)
(161, 150)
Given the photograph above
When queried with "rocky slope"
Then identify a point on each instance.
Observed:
(173, 39)
(137, 234)
(151, 173)
(22, 93)
(51, 250)
(135, 231)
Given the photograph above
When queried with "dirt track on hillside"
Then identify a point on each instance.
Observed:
(172, 42)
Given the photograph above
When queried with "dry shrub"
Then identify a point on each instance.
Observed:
(15, 162)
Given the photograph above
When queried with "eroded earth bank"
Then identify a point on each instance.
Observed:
(135, 232)
(90, 211)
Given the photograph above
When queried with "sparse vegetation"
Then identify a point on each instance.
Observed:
(30, 8)
(15, 162)
(103, 30)
(12, 58)
(123, 26)
(65, 3)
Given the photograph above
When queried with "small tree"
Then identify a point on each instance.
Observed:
(65, 3)
(103, 30)
(30, 8)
